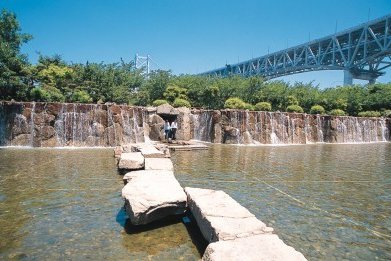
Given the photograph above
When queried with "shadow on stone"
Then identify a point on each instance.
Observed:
(195, 233)
(133, 229)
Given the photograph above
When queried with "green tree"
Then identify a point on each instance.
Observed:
(15, 80)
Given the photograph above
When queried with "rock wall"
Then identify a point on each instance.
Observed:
(61, 124)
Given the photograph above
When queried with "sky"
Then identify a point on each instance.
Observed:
(187, 36)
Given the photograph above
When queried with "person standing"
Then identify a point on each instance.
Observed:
(166, 129)
(174, 127)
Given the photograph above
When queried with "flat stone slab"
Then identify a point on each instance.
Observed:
(220, 217)
(158, 164)
(188, 147)
(151, 195)
(254, 248)
(151, 152)
(131, 161)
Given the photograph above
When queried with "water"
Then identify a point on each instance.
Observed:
(66, 204)
(330, 202)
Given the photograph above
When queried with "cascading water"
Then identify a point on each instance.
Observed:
(202, 126)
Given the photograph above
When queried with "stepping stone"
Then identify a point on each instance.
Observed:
(254, 248)
(131, 161)
(158, 164)
(220, 217)
(151, 152)
(152, 195)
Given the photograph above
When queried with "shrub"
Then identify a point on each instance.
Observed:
(47, 95)
(234, 103)
(248, 106)
(369, 114)
(337, 112)
(317, 109)
(263, 106)
(181, 103)
(81, 97)
(294, 108)
(159, 102)
(386, 113)
(292, 100)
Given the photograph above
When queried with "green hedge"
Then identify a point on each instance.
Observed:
(317, 109)
(159, 102)
(294, 108)
(369, 114)
(263, 106)
(234, 103)
(337, 112)
(181, 103)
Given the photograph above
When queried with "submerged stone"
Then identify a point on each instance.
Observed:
(151, 195)
(254, 248)
(131, 161)
(158, 164)
(220, 217)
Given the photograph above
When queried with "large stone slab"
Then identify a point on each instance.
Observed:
(151, 152)
(220, 217)
(131, 161)
(151, 195)
(254, 248)
(158, 164)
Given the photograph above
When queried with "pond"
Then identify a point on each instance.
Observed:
(328, 201)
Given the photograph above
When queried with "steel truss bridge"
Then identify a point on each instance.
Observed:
(362, 52)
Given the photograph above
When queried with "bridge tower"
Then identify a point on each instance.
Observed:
(141, 62)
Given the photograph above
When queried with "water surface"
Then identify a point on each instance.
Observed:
(331, 202)
(66, 204)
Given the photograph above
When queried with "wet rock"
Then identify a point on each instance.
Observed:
(155, 127)
(22, 140)
(158, 164)
(247, 138)
(131, 161)
(151, 195)
(98, 129)
(151, 152)
(52, 142)
(118, 151)
(184, 129)
(254, 248)
(220, 217)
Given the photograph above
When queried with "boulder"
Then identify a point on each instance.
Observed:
(158, 164)
(151, 152)
(131, 161)
(117, 151)
(166, 109)
(220, 217)
(151, 195)
(254, 248)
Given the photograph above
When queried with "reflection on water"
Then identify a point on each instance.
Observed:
(330, 202)
(66, 204)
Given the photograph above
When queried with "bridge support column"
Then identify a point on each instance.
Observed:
(347, 78)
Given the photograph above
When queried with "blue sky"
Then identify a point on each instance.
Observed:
(187, 36)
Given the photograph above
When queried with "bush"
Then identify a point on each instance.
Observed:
(369, 114)
(46, 95)
(337, 112)
(81, 97)
(294, 108)
(263, 106)
(386, 113)
(317, 109)
(234, 103)
(181, 103)
(159, 102)
(248, 106)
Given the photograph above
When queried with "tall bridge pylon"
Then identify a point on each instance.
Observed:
(362, 52)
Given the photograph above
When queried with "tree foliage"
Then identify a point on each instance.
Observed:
(52, 79)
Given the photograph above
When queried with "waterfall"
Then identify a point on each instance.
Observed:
(32, 126)
(202, 126)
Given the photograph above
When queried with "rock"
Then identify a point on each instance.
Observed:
(184, 129)
(52, 142)
(164, 148)
(166, 109)
(155, 127)
(247, 138)
(158, 164)
(151, 195)
(131, 161)
(254, 248)
(117, 151)
(220, 217)
(151, 152)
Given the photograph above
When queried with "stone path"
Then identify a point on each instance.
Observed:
(151, 192)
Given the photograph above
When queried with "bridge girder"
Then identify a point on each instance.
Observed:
(363, 51)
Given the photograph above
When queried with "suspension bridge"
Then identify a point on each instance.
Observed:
(362, 52)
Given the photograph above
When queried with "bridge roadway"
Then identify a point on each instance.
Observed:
(362, 52)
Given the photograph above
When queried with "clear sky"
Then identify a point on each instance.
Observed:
(187, 36)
